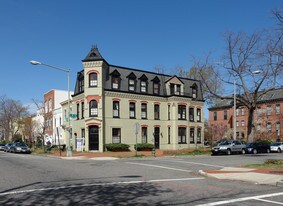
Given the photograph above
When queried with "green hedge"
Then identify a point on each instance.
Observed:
(143, 146)
(117, 147)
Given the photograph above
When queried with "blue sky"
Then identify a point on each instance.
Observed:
(138, 34)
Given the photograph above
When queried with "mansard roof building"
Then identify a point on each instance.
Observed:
(116, 104)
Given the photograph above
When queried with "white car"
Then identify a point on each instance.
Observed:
(276, 147)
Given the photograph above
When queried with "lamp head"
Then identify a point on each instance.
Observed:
(35, 62)
(256, 72)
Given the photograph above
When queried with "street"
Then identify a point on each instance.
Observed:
(39, 180)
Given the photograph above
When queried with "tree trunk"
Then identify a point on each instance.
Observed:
(251, 124)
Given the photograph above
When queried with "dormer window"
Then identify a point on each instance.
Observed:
(132, 82)
(194, 91)
(116, 80)
(132, 85)
(93, 80)
(81, 85)
(143, 84)
(156, 85)
(143, 87)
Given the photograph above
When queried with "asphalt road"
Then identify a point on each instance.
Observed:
(38, 180)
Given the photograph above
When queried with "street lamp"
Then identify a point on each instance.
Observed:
(235, 79)
(69, 151)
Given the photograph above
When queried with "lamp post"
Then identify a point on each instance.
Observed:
(69, 151)
(235, 104)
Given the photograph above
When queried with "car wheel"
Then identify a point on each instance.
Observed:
(243, 151)
(228, 152)
(254, 151)
(268, 150)
(279, 150)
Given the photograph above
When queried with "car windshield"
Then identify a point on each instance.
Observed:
(2, 144)
(226, 143)
(21, 144)
(250, 144)
(275, 144)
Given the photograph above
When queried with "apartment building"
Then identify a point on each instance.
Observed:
(53, 115)
(115, 104)
(268, 119)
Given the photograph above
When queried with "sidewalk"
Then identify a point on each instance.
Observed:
(257, 176)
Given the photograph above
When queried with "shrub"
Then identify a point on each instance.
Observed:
(144, 146)
(117, 147)
(265, 140)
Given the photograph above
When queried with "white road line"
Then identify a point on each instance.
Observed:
(98, 184)
(196, 163)
(278, 203)
(169, 168)
(242, 199)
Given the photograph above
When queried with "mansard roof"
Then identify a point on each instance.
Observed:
(269, 97)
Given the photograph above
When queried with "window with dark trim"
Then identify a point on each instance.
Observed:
(178, 90)
(143, 87)
(198, 115)
(199, 135)
(225, 114)
(172, 89)
(169, 135)
(93, 80)
(156, 112)
(83, 110)
(191, 114)
(169, 112)
(182, 135)
(81, 85)
(93, 110)
(78, 111)
(192, 135)
(214, 116)
(132, 110)
(144, 111)
(116, 111)
(156, 88)
(132, 85)
(116, 83)
(181, 112)
(116, 135)
(144, 135)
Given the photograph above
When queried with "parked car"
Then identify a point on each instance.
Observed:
(228, 147)
(7, 147)
(257, 147)
(2, 146)
(20, 147)
(276, 147)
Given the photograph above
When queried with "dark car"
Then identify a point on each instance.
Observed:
(257, 147)
(20, 147)
(7, 147)
(2, 146)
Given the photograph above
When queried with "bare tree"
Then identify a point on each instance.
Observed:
(38, 125)
(244, 55)
(12, 113)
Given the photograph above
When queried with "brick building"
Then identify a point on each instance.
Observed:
(268, 118)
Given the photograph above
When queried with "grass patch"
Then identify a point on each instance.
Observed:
(192, 153)
(270, 164)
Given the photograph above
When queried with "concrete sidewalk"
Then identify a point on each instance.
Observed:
(257, 176)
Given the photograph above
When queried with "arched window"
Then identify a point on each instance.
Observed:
(93, 110)
(93, 80)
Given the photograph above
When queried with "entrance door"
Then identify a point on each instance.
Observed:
(93, 138)
(156, 137)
